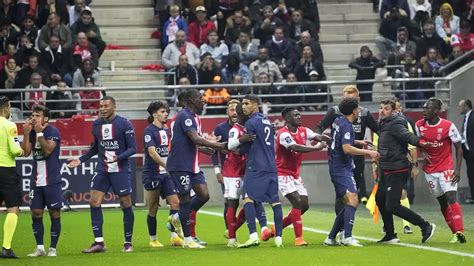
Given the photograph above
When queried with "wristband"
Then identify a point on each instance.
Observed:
(217, 170)
(40, 134)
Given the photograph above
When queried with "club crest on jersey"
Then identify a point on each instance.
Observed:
(147, 138)
(288, 140)
(347, 135)
(440, 130)
(188, 122)
(164, 137)
(107, 131)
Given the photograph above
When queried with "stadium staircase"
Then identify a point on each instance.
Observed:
(345, 26)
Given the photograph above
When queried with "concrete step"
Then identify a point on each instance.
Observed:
(337, 8)
(346, 48)
(135, 43)
(353, 28)
(121, 3)
(112, 34)
(123, 16)
(128, 76)
(126, 64)
(357, 17)
(132, 54)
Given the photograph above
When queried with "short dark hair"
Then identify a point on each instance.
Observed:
(109, 98)
(468, 103)
(154, 107)
(347, 105)
(3, 101)
(252, 97)
(86, 12)
(438, 102)
(41, 108)
(389, 102)
(187, 96)
(287, 110)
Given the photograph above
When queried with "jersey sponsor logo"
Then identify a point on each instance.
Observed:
(437, 144)
(107, 131)
(347, 135)
(13, 132)
(110, 144)
(188, 122)
(147, 138)
(357, 128)
(130, 131)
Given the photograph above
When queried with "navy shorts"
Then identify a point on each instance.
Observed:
(343, 184)
(121, 183)
(183, 181)
(261, 186)
(162, 182)
(48, 196)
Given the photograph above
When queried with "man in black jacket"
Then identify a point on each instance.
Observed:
(87, 25)
(394, 172)
(365, 120)
(56, 60)
(465, 108)
(431, 39)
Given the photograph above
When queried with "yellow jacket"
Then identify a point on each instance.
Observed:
(9, 143)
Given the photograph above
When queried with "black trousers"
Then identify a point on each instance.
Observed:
(469, 157)
(359, 176)
(388, 200)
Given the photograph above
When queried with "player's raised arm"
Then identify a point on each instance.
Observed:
(26, 144)
(326, 121)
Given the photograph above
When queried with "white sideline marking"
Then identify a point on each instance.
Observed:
(322, 232)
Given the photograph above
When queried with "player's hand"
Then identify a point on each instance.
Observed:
(247, 138)
(456, 177)
(207, 150)
(425, 145)
(414, 172)
(213, 138)
(220, 178)
(321, 145)
(27, 126)
(38, 126)
(324, 138)
(113, 159)
(73, 163)
(374, 155)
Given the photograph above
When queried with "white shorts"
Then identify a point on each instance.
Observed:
(288, 184)
(440, 183)
(233, 187)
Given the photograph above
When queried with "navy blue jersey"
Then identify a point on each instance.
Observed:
(221, 130)
(159, 138)
(183, 156)
(112, 138)
(260, 152)
(343, 133)
(48, 168)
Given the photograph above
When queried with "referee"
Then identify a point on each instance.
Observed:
(10, 189)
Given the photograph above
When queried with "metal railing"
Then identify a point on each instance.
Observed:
(466, 56)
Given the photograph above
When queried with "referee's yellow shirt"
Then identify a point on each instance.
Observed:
(9, 143)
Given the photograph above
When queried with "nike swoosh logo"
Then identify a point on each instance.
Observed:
(54, 204)
(122, 190)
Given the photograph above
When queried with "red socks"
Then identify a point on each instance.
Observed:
(294, 217)
(231, 222)
(240, 219)
(453, 216)
(192, 223)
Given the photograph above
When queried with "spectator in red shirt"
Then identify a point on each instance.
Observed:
(92, 95)
(198, 29)
(464, 39)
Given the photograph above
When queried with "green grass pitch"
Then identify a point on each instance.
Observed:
(77, 234)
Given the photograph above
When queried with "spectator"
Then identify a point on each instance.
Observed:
(298, 25)
(56, 60)
(431, 39)
(246, 50)
(464, 39)
(264, 29)
(413, 96)
(308, 63)
(87, 25)
(208, 69)
(8, 35)
(83, 50)
(23, 9)
(217, 49)
(90, 97)
(235, 68)
(76, 10)
(172, 26)
(264, 65)
(457, 52)
(216, 97)
(237, 79)
(183, 81)
(458, 6)
(387, 5)
(311, 11)
(430, 65)
(281, 12)
(421, 16)
(86, 70)
(24, 75)
(11, 50)
(366, 65)
(321, 100)
(183, 69)
(180, 46)
(39, 95)
(199, 29)
(7, 80)
(293, 89)
(470, 15)
(54, 27)
(24, 51)
(235, 25)
(387, 40)
(447, 23)
(420, 6)
(63, 101)
(307, 40)
(49, 7)
(29, 29)
(282, 51)
(7, 10)
(225, 9)
(264, 77)
(408, 61)
(403, 45)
